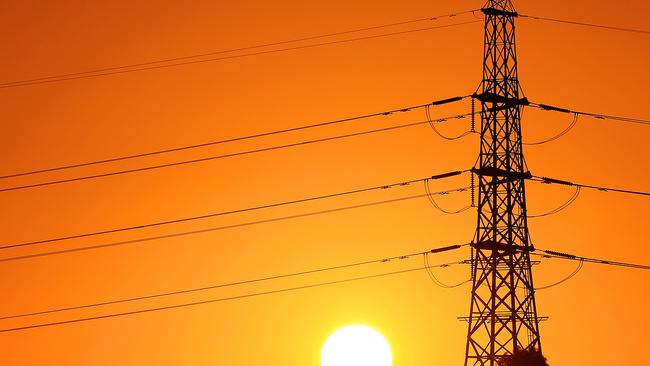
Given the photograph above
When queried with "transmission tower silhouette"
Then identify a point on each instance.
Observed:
(503, 315)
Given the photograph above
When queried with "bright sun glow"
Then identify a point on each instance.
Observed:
(356, 345)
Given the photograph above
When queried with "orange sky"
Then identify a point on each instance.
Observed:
(595, 319)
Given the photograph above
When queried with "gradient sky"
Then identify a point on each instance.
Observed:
(597, 318)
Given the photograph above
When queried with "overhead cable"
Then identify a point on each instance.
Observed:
(231, 284)
(433, 202)
(567, 256)
(568, 277)
(566, 204)
(234, 139)
(213, 229)
(155, 64)
(592, 25)
(553, 138)
(435, 279)
(548, 107)
(448, 138)
(222, 299)
(216, 214)
(213, 53)
(547, 180)
(222, 156)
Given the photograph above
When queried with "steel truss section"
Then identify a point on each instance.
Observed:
(503, 315)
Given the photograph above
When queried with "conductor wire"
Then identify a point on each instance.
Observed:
(437, 206)
(553, 138)
(433, 277)
(570, 276)
(427, 112)
(566, 204)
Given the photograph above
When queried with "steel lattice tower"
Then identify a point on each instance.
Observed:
(502, 316)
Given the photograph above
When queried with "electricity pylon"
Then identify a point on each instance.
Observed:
(503, 316)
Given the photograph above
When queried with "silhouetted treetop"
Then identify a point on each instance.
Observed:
(525, 358)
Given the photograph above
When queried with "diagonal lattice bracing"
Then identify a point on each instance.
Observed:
(503, 315)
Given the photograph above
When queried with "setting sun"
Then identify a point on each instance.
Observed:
(356, 345)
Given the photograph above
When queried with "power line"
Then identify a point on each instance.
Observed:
(593, 25)
(547, 180)
(561, 255)
(433, 202)
(435, 279)
(223, 156)
(230, 57)
(574, 121)
(218, 228)
(433, 127)
(235, 139)
(548, 107)
(295, 40)
(222, 299)
(216, 214)
(244, 282)
(566, 204)
(568, 277)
